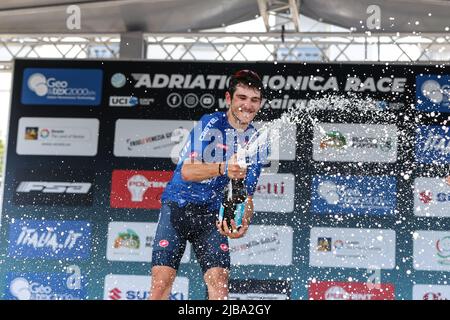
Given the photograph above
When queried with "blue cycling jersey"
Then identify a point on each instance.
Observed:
(212, 140)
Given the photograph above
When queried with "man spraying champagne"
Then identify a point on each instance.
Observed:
(198, 192)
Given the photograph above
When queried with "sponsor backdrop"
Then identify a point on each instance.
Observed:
(357, 208)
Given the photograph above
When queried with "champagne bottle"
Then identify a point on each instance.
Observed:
(233, 204)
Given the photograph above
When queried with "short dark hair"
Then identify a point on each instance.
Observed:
(246, 78)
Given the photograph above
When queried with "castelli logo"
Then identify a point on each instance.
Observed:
(163, 243)
(224, 247)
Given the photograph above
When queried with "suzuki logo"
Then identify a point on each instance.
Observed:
(176, 296)
(115, 294)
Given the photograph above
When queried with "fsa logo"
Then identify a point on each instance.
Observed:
(54, 187)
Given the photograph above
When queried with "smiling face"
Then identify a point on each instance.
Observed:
(245, 104)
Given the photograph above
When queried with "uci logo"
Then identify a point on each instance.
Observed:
(123, 101)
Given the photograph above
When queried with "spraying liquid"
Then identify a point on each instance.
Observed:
(269, 135)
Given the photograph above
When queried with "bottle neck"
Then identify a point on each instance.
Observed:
(237, 183)
(239, 193)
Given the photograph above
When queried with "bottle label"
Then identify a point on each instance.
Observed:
(221, 210)
(238, 213)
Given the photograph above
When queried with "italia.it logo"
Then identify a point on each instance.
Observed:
(38, 84)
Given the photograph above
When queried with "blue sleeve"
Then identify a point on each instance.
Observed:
(251, 179)
(254, 169)
(198, 139)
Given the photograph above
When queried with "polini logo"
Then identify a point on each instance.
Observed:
(62, 86)
(138, 189)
